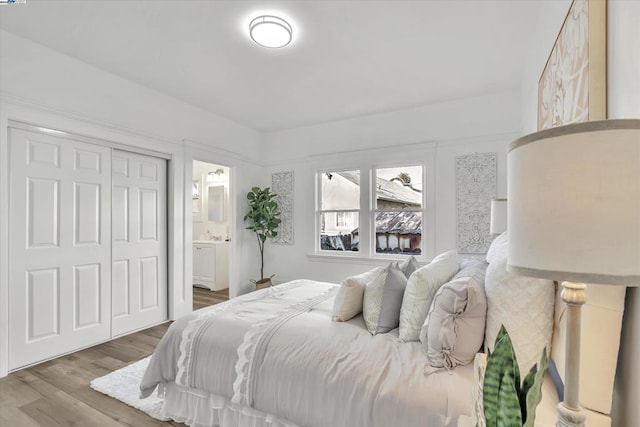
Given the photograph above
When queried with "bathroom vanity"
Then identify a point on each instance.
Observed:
(211, 264)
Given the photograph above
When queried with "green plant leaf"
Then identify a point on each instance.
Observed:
(534, 394)
(527, 383)
(501, 362)
(509, 414)
(263, 217)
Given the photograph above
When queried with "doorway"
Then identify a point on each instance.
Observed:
(211, 233)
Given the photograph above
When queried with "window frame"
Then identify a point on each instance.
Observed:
(319, 212)
(374, 208)
(368, 210)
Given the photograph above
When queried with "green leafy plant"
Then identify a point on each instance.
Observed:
(263, 218)
(507, 403)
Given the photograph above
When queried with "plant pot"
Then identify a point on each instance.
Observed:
(263, 283)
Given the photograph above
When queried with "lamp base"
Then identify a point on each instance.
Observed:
(570, 414)
(569, 417)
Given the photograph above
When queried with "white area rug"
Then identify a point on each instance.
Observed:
(124, 385)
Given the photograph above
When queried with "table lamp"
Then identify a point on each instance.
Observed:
(498, 223)
(574, 216)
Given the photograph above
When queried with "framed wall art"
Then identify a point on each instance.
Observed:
(572, 87)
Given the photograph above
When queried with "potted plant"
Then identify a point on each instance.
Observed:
(263, 218)
(508, 402)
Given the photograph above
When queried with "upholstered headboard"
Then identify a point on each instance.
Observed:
(601, 324)
(600, 342)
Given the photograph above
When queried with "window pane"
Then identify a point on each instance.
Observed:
(340, 190)
(399, 188)
(399, 232)
(339, 231)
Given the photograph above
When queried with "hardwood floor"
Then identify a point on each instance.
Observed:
(204, 297)
(57, 393)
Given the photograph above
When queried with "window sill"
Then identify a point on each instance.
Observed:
(350, 258)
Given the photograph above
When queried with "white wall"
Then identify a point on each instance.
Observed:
(38, 75)
(433, 134)
(45, 88)
(623, 99)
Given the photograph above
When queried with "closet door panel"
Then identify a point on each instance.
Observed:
(59, 261)
(140, 241)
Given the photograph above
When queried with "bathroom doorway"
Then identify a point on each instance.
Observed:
(211, 233)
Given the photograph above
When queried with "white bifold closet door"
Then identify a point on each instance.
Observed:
(139, 235)
(60, 246)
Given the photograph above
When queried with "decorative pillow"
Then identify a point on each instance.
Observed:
(421, 287)
(382, 300)
(497, 247)
(471, 268)
(453, 331)
(524, 305)
(348, 302)
(408, 266)
(468, 262)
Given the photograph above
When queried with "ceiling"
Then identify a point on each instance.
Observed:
(347, 59)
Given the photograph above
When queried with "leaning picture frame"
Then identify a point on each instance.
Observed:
(572, 86)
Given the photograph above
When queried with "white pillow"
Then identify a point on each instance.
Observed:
(348, 301)
(498, 247)
(524, 305)
(382, 300)
(453, 331)
(421, 288)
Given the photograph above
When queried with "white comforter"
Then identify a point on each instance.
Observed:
(278, 351)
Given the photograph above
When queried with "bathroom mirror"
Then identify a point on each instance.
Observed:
(216, 203)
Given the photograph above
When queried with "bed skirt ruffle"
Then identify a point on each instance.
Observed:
(197, 408)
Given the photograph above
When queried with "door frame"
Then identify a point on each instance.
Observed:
(211, 157)
(21, 116)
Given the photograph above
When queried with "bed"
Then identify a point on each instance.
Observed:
(277, 351)
(275, 357)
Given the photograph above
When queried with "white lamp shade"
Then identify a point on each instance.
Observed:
(498, 216)
(574, 203)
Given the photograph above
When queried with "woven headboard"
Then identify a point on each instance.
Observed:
(600, 342)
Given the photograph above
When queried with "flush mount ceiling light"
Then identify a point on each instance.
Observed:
(270, 31)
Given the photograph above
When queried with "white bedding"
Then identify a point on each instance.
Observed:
(276, 353)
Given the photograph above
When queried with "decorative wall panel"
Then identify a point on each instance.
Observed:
(282, 185)
(476, 177)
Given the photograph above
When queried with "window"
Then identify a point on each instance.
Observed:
(395, 212)
(398, 210)
(339, 210)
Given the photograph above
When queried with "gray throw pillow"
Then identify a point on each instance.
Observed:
(383, 299)
(408, 266)
(454, 329)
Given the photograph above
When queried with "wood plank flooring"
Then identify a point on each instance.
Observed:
(57, 393)
(203, 297)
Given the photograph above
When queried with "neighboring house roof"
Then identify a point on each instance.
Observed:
(391, 191)
(397, 223)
